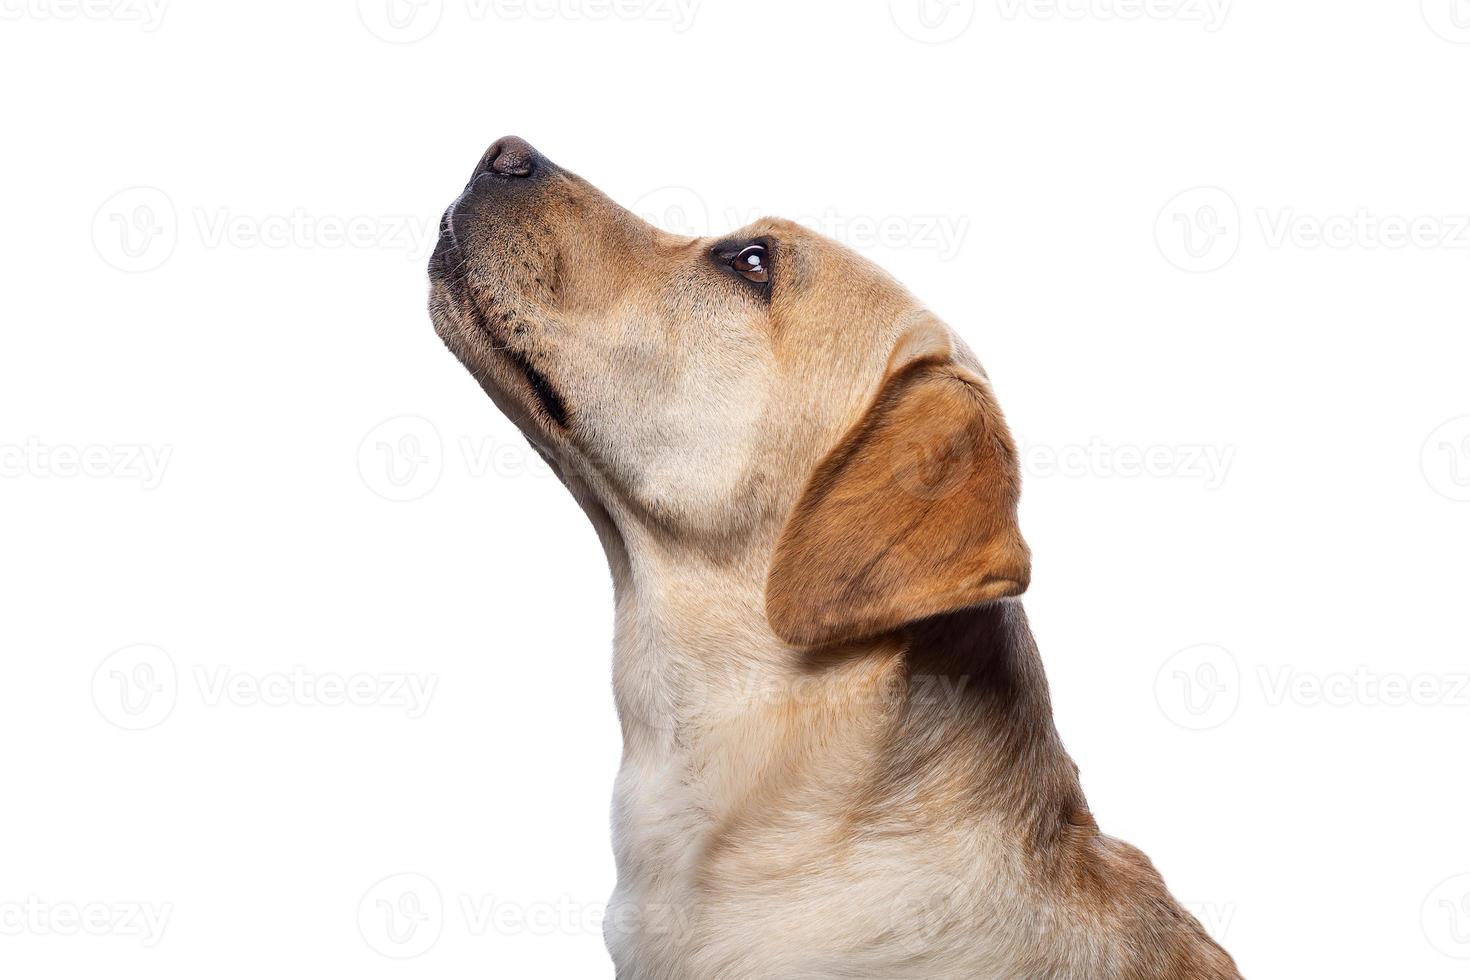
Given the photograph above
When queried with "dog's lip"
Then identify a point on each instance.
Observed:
(446, 257)
(446, 223)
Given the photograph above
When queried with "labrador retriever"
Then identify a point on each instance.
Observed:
(839, 758)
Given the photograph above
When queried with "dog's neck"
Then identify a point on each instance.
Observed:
(959, 701)
(691, 645)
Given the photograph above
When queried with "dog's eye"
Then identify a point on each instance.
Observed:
(751, 263)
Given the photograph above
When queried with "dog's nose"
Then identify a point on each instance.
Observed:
(509, 156)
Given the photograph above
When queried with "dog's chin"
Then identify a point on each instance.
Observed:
(519, 388)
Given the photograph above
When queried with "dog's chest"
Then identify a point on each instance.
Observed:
(663, 819)
(662, 811)
(704, 896)
(720, 878)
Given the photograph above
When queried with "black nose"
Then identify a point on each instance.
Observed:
(509, 156)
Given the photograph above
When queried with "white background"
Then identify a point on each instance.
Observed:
(1214, 256)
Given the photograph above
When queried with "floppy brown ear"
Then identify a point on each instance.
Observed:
(912, 515)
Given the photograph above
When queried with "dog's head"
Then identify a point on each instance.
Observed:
(766, 400)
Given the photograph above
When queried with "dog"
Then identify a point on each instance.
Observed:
(839, 759)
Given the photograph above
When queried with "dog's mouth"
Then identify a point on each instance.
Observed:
(503, 327)
(547, 397)
(496, 275)
(447, 259)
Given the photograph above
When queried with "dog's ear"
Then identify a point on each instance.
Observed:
(912, 515)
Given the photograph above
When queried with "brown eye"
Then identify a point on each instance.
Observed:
(752, 263)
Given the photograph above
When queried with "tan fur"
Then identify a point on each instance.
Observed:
(839, 759)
